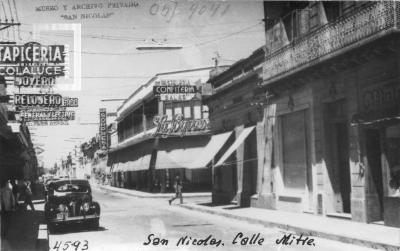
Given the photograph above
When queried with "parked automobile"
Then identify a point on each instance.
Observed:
(69, 202)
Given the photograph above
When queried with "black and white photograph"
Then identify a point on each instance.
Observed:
(141, 125)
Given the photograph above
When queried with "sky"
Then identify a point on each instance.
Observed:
(112, 67)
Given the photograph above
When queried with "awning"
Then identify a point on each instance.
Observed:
(180, 152)
(378, 116)
(245, 133)
(143, 163)
(135, 158)
(211, 149)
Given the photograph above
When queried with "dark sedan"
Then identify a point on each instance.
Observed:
(69, 202)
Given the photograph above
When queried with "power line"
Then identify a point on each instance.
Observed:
(226, 35)
(151, 27)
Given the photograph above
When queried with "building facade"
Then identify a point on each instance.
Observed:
(17, 157)
(329, 130)
(161, 133)
(235, 111)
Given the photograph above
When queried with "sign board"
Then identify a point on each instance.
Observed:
(35, 81)
(45, 100)
(179, 126)
(47, 115)
(32, 52)
(103, 129)
(175, 90)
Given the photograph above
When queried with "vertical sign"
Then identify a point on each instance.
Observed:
(103, 129)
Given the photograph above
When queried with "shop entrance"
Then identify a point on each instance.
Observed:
(338, 165)
(374, 153)
(249, 169)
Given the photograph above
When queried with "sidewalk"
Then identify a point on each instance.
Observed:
(369, 235)
(27, 232)
(140, 194)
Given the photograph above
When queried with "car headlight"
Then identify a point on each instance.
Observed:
(63, 208)
(86, 206)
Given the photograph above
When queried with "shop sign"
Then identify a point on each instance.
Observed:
(32, 70)
(15, 126)
(103, 129)
(175, 90)
(32, 53)
(178, 126)
(47, 115)
(35, 81)
(381, 97)
(45, 100)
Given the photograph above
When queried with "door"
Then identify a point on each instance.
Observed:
(337, 155)
(249, 169)
(343, 166)
(374, 153)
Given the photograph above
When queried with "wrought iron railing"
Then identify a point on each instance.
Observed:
(367, 21)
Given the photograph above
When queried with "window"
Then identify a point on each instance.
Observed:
(168, 112)
(197, 111)
(187, 112)
(177, 110)
(205, 112)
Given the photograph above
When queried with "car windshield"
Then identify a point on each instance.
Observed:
(75, 188)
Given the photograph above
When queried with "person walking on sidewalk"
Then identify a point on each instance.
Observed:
(178, 190)
(7, 206)
(28, 195)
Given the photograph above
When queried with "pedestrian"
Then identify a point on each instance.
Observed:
(15, 191)
(7, 206)
(28, 195)
(178, 190)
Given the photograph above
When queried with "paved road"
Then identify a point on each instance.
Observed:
(127, 222)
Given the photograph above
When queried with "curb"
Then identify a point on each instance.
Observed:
(42, 241)
(297, 230)
(151, 196)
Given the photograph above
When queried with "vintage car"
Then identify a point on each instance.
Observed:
(47, 186)
(70, 201)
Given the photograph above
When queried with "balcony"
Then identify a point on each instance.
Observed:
(368, 22)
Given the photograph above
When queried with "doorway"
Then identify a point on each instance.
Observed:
(342, 164)
(374, 153)
(250, 164)
(338, 160)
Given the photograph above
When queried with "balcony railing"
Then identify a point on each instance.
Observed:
(367, 21)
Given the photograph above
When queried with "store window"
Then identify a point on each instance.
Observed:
(187, 111)
(205, 112)
(168, 112)
(177, 110)
(197, 111)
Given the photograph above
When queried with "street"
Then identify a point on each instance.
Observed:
(126, 223)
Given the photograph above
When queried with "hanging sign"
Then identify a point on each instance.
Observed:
(103, 129)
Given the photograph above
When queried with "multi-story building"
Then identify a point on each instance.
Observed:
(17, 156)
(162, 132)
(329, 138)
(234, 112)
